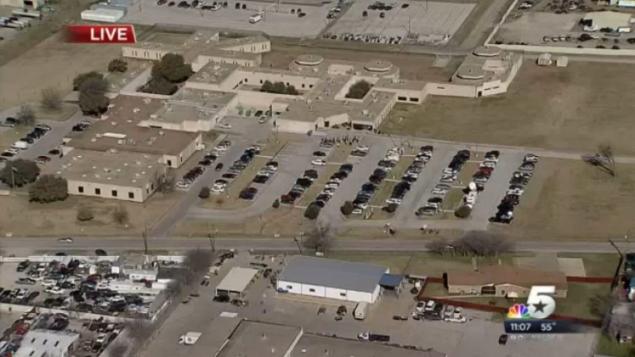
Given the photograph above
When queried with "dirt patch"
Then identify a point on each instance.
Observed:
(569, 200)
(574, 108)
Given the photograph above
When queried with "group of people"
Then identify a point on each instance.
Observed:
(346, 139)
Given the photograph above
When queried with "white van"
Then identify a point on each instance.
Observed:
(360, 311)
(255, 18)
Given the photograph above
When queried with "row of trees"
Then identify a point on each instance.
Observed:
(278, 88)
(474, 243)
(359, 90)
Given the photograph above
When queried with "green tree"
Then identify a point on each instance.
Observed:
(204, 194)
(173, 68)
(358, 90)
(312, 211)
(279, 88)
(92, 96)
(463, 212)
(51, 99)
(159, 85)
(347, 208)
(267, 87)
(117, 65)
(291, 90)
(20, 172)
(77, 82)
(48, 188)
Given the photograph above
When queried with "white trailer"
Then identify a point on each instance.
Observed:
(189, 338)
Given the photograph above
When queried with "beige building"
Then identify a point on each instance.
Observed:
(112, 174)
(23, 4)
(120, 129)
(204, 47)
(504, 281)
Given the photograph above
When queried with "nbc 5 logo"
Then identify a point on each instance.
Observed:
(540, 302)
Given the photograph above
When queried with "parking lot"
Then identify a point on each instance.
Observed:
(424, 22)
(316, 315)
(277, 19)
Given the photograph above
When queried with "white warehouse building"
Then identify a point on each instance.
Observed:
(333, 279)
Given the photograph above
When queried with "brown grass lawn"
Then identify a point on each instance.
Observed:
(574, 108)
(285, 221)
(60, 218)
(571, 200)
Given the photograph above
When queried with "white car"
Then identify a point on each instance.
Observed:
(459, 319)
(362, 148)
(218, 188)
(531, 158)
(318, 162)
(491, 164)
(55, 290)
(182, 184)
(439, 191)
(49, 282)
(515, 191)
(396, 201)
(224, 126)
(215, 7)
(449, 171)
(357, 211)
(65, 240)
(262, 120)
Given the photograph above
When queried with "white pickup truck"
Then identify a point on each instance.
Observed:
(189, 338)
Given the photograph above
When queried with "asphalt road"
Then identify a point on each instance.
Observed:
(29, 245)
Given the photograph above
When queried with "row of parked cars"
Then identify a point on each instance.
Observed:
(300, 186)
(189, 177)
(410, 176)
(449, 176)
(332, 185)
(25, 142)
(237, 167)
(66, 286)
(432, 310)
(517, 184)
(368, 189)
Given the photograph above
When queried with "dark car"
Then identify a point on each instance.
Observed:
(183, 4)
(32, 296)
(161, 2)
(222, 298)
(248, 193)
(348, 168)
(341, 310)
(502, 339)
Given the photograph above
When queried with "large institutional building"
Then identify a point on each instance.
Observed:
(141, 135)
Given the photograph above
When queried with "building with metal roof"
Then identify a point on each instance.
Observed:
(47, 343)
(333, 279)
(236, 281)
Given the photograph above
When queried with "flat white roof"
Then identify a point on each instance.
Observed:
(236, 280)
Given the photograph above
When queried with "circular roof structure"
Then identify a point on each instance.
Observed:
(471, 73)
(378, 66)
(309, 60)
(487, 51)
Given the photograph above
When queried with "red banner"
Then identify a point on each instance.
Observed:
(101, 33)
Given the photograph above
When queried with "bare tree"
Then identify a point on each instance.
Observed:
(320, 237)
(198, 261)
(482, 243)
(119, 349)
(51, 99)
(603, 159)
(120, 215)
(165, 182)
(437, 246)
(139, 330)
(26, 115)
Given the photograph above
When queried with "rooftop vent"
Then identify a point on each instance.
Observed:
(136, 110)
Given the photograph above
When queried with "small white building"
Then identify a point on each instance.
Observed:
(236, 281)
(47, 343)
(333, 279)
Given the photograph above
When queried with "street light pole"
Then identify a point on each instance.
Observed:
(297, 242)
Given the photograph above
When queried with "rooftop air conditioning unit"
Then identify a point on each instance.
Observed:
(136, 110)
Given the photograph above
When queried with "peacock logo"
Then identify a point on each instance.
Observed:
(518, 311)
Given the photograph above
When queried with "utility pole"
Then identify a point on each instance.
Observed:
(619, 264)
(212, 239)
(144, 234)
(297, 242)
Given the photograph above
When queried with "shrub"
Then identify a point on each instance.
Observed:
(278, 88)
(276, 203)
(463, 212)
(20, 172)
(48, 188)
(51, 99)
(85, 214)
(312, 211)
(347, 208)
(117, 65)
(358, 90)
(204, 194)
